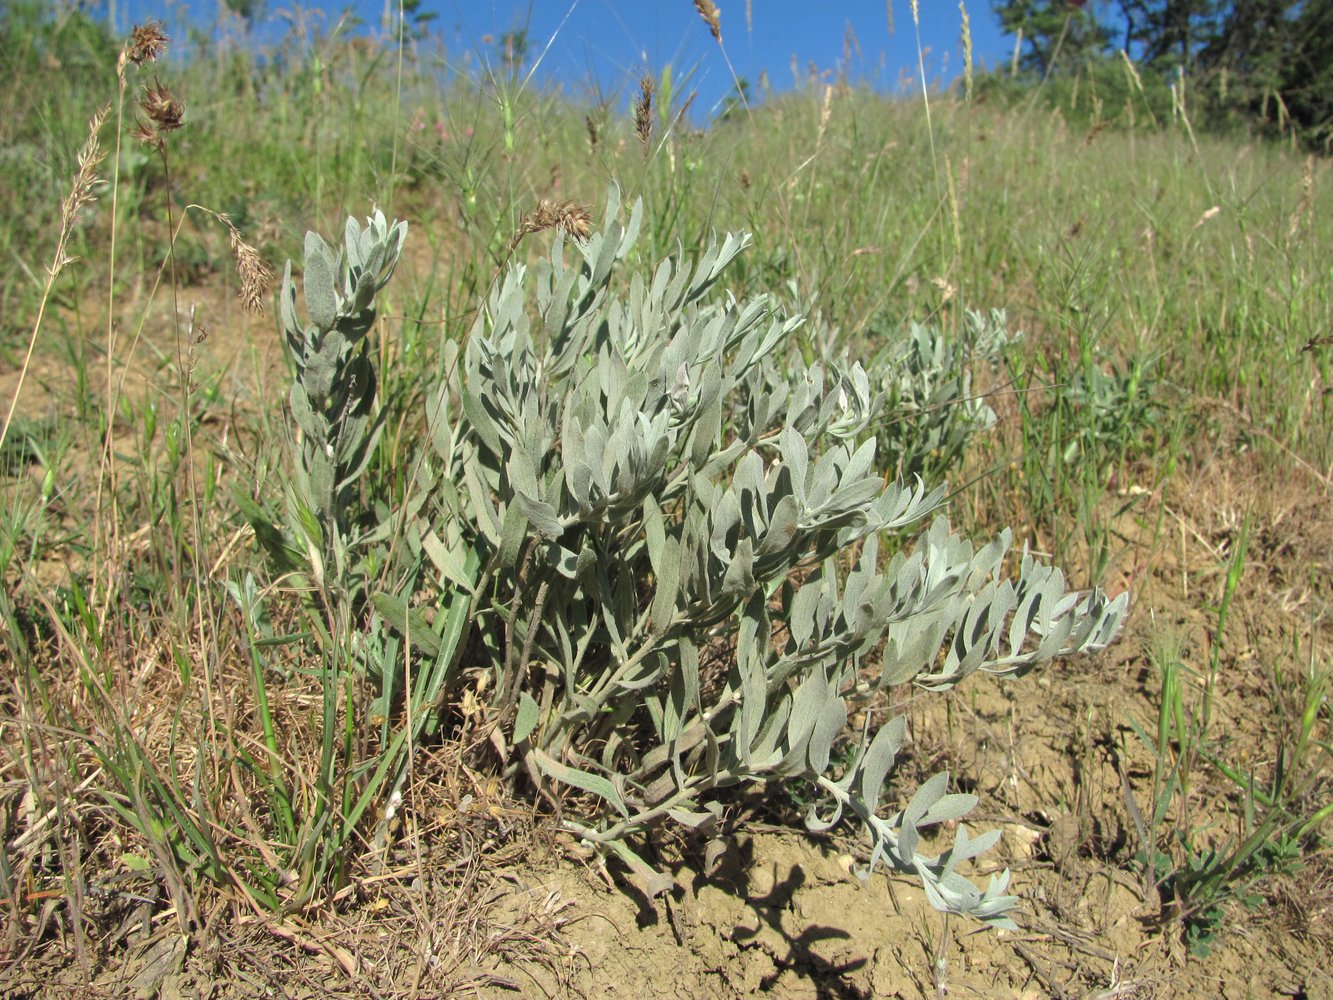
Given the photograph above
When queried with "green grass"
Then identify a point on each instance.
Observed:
(1167, 286)
(1197, 863)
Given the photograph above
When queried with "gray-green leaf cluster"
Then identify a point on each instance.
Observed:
(333, 397)
(932, 408)
(668, 527)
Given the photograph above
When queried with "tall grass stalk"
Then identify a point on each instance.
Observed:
(81, 194)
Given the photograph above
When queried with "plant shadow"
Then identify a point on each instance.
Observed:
(762, 926)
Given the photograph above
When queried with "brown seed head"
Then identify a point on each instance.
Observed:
(573, 219)
(165, 114)
(712, 17)
(144, 134)
(643, 112)
(160, 105)
(147, 42)
(84, 189)
(576, 221)
(255, 274)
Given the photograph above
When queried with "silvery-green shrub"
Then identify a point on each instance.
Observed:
(668, 534)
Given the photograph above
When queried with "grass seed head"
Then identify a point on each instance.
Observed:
(1304, 211)
(84, 189)
(147, 42)
(571, 218)
(967, 51)
(643, 112)
(165, 114)
(89, 159)
(255, 274)
(162, 108)
(712, 17)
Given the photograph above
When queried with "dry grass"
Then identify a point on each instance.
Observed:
(443, 906)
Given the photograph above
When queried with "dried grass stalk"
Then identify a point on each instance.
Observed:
(82, 191)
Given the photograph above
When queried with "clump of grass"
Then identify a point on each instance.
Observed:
(1196, 870)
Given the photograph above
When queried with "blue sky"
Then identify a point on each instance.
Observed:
(614, 42)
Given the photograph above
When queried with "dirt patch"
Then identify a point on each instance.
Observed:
(788, 920)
